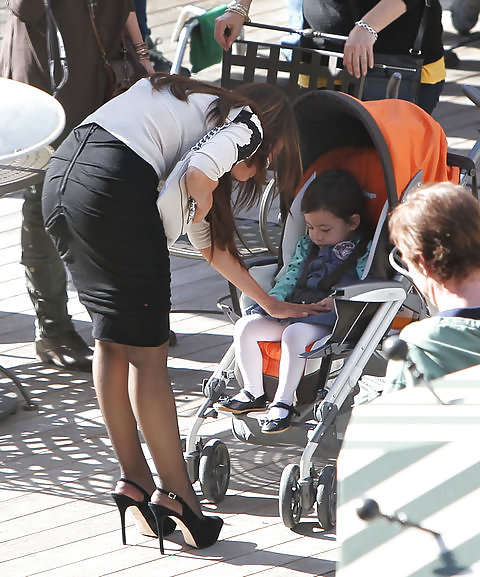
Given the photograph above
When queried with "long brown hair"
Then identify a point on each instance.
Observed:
(279, 126)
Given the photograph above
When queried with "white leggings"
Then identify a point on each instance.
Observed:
(294, 338)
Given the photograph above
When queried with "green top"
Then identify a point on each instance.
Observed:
(437, 345)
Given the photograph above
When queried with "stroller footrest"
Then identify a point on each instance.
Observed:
(334, 349)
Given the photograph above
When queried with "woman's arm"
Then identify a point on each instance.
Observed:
(286, 283)
(358, 52)
(232, 270)
(133, 31)
(200, 188)
(229, 25)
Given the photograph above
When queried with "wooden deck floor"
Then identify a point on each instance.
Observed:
(56, 464)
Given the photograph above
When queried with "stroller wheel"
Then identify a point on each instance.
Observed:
(290, 503)
(327, 498)
(214, 470)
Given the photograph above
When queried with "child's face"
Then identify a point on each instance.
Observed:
(325, 228)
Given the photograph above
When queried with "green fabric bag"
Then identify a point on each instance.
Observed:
(204, 49)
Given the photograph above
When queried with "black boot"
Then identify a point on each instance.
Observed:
(68, 350)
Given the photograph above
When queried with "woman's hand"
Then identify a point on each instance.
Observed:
(229, 267)
(358, 52)
(200, 188)
(133, 31)
(326, 305)
(283, 310)
(227, 29)
(145, 62)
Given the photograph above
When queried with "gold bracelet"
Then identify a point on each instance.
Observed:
(142, 51)
(240, 9)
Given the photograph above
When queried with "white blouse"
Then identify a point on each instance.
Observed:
(161, 129)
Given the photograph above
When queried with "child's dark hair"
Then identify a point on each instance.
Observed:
(338, 192)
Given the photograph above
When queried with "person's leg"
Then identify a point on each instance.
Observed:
(153, 404)
(44, 270)
(429, 96)
(141, 12)
(248, 331)
(110, 377)
(295, 338)
(56, 340)
(133, 386)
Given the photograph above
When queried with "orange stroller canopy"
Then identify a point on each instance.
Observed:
(414, 140)
(405, 138)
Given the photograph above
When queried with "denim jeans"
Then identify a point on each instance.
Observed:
(429, 95)
(44, 271)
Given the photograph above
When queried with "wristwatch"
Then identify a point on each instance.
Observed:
(192, 207)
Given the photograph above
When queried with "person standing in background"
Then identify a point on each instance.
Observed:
(24, 56)
(388, 26)
(159, 62)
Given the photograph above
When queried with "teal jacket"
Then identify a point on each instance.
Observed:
(328, 259)
(285, 285)
(438, 345)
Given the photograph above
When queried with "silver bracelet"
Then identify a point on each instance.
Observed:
(363, 24)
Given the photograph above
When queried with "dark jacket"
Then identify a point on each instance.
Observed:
(23, 54)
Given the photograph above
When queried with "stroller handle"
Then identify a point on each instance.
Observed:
(305, 32)
(336, 38)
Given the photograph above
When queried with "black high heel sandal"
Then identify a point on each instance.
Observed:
(143, 516)
(197, 531)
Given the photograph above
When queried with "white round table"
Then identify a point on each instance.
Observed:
(30, 119)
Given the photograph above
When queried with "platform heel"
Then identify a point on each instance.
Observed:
(198, 532)
(143, 516)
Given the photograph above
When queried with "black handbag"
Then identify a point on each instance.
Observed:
(122, 69)
(409, 66)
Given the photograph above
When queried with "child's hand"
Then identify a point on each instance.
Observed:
(325, 305)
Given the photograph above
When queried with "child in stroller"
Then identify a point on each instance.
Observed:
(333, 252)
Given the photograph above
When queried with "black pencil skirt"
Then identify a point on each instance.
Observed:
(99, 206)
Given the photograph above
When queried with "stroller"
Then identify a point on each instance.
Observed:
(390, 146)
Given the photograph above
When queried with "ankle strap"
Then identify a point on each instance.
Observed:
(281, 405)
(249, 395)
(171, 495)
(136, 485)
